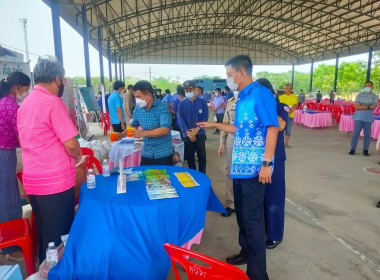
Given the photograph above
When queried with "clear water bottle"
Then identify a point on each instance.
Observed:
(304, 107)
(106, 169)
(91, 183)
(51, 256)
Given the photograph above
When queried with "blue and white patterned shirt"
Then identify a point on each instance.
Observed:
(155, 117)
(255, 110)
(366, 99)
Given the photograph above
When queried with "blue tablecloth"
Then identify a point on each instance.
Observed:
(121, 236)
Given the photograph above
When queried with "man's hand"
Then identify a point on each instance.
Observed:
(221, 149)
(123, 126)
(206, 125)
(138, 133)
(191, 135)
(265, 175)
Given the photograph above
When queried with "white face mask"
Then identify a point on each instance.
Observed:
(189, 95)
(231, 84)
(216, 93)
(367, 89)
(236, 94)
(141, 103)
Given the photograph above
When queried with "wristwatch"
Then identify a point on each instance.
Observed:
(266, 163)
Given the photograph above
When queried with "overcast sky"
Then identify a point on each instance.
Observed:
(40, 38)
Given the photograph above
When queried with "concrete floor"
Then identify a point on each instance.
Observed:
(332, 226)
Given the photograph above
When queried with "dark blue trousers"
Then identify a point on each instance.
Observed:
(249, 206)
(274, 203)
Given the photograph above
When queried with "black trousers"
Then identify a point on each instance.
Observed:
(331, 101)
(54, 215)
(117, 127)
(249, 206)
(219, 119)
(200, 147)
(157, 161)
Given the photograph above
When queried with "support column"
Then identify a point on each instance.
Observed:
(311, 76)
(56, 30)
(121, 77)
(293, 76)
(100, 47)
(109, 59)
(336, 71)
(369, 64)
(115, 59)
(123, 74)
(85, 45)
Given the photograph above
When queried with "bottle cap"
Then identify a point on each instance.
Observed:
(51, 244)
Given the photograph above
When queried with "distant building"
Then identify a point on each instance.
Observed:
(10, 56)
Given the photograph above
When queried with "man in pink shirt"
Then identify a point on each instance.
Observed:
(49, 151)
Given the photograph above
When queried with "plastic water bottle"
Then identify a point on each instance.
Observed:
(106, 169)
(304, 107)
(51, 256)
(91, 184)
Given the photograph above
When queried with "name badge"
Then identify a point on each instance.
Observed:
(200, 111)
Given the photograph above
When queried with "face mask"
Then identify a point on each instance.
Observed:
(231, 84)
(367, 89)
(216, 93)
(236, 94)
(141, 103)
(61, 89)
(189, 95)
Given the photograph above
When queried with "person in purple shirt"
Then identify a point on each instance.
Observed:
(17, 83)
(219, 107)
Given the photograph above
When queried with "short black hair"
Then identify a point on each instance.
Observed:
(143, 86)
(167, 91)
(130, 87)
(201, 88)
(14, 79)
(227, 88)
(118, 84)
(218, 89)
(241, 61)
(181, 92)
(160, 90)
(369, 82)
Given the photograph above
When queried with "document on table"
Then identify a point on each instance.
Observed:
(186, 179)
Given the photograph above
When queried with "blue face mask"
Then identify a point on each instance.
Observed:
(189, 95)
(367, 89)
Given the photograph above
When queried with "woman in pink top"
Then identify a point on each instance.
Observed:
(10, 204)
(49, 152)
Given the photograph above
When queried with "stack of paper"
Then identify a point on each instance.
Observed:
(186, 179)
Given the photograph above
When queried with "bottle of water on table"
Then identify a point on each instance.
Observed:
(51, 256)
(106, 169)
(91, 184)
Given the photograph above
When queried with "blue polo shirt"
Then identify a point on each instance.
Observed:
(155, 117)
(114, 102)
(283, 113)
(191, 112)
(167, 99)
(255, 110)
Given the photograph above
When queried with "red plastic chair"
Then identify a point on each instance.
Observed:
(18, 233)
(87, 151)
(105, 122)
(214, 270)
(92, 163)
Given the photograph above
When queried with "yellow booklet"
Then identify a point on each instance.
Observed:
(186, 179)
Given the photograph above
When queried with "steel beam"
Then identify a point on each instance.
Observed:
(100, 48)
(56, 30)
(369, 64)
(336, 72)
(311, 76)
(109, 60)
(85, 45)
(293, 75)
(115, 60)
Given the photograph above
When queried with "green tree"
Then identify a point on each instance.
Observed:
(323, 78)
(165, 83)
(351, 77)
(375, 72)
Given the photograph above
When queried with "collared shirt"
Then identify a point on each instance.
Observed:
(229, 117)
(44, 126)
(332, 96)
(366, 99)
(155, 117)
(255, 111)
(8, 122)
(289, 100)
(175, 96)
(283, 113)
(167, 99)
(128, 105)
(191, 112)
(319, 96)
(219, 100)
(114, 102)
(175, 105)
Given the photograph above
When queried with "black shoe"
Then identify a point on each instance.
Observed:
(272, 244)
(237, 259)
(228, 213)
(365, 153)
(352, 152)
(378, 205)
